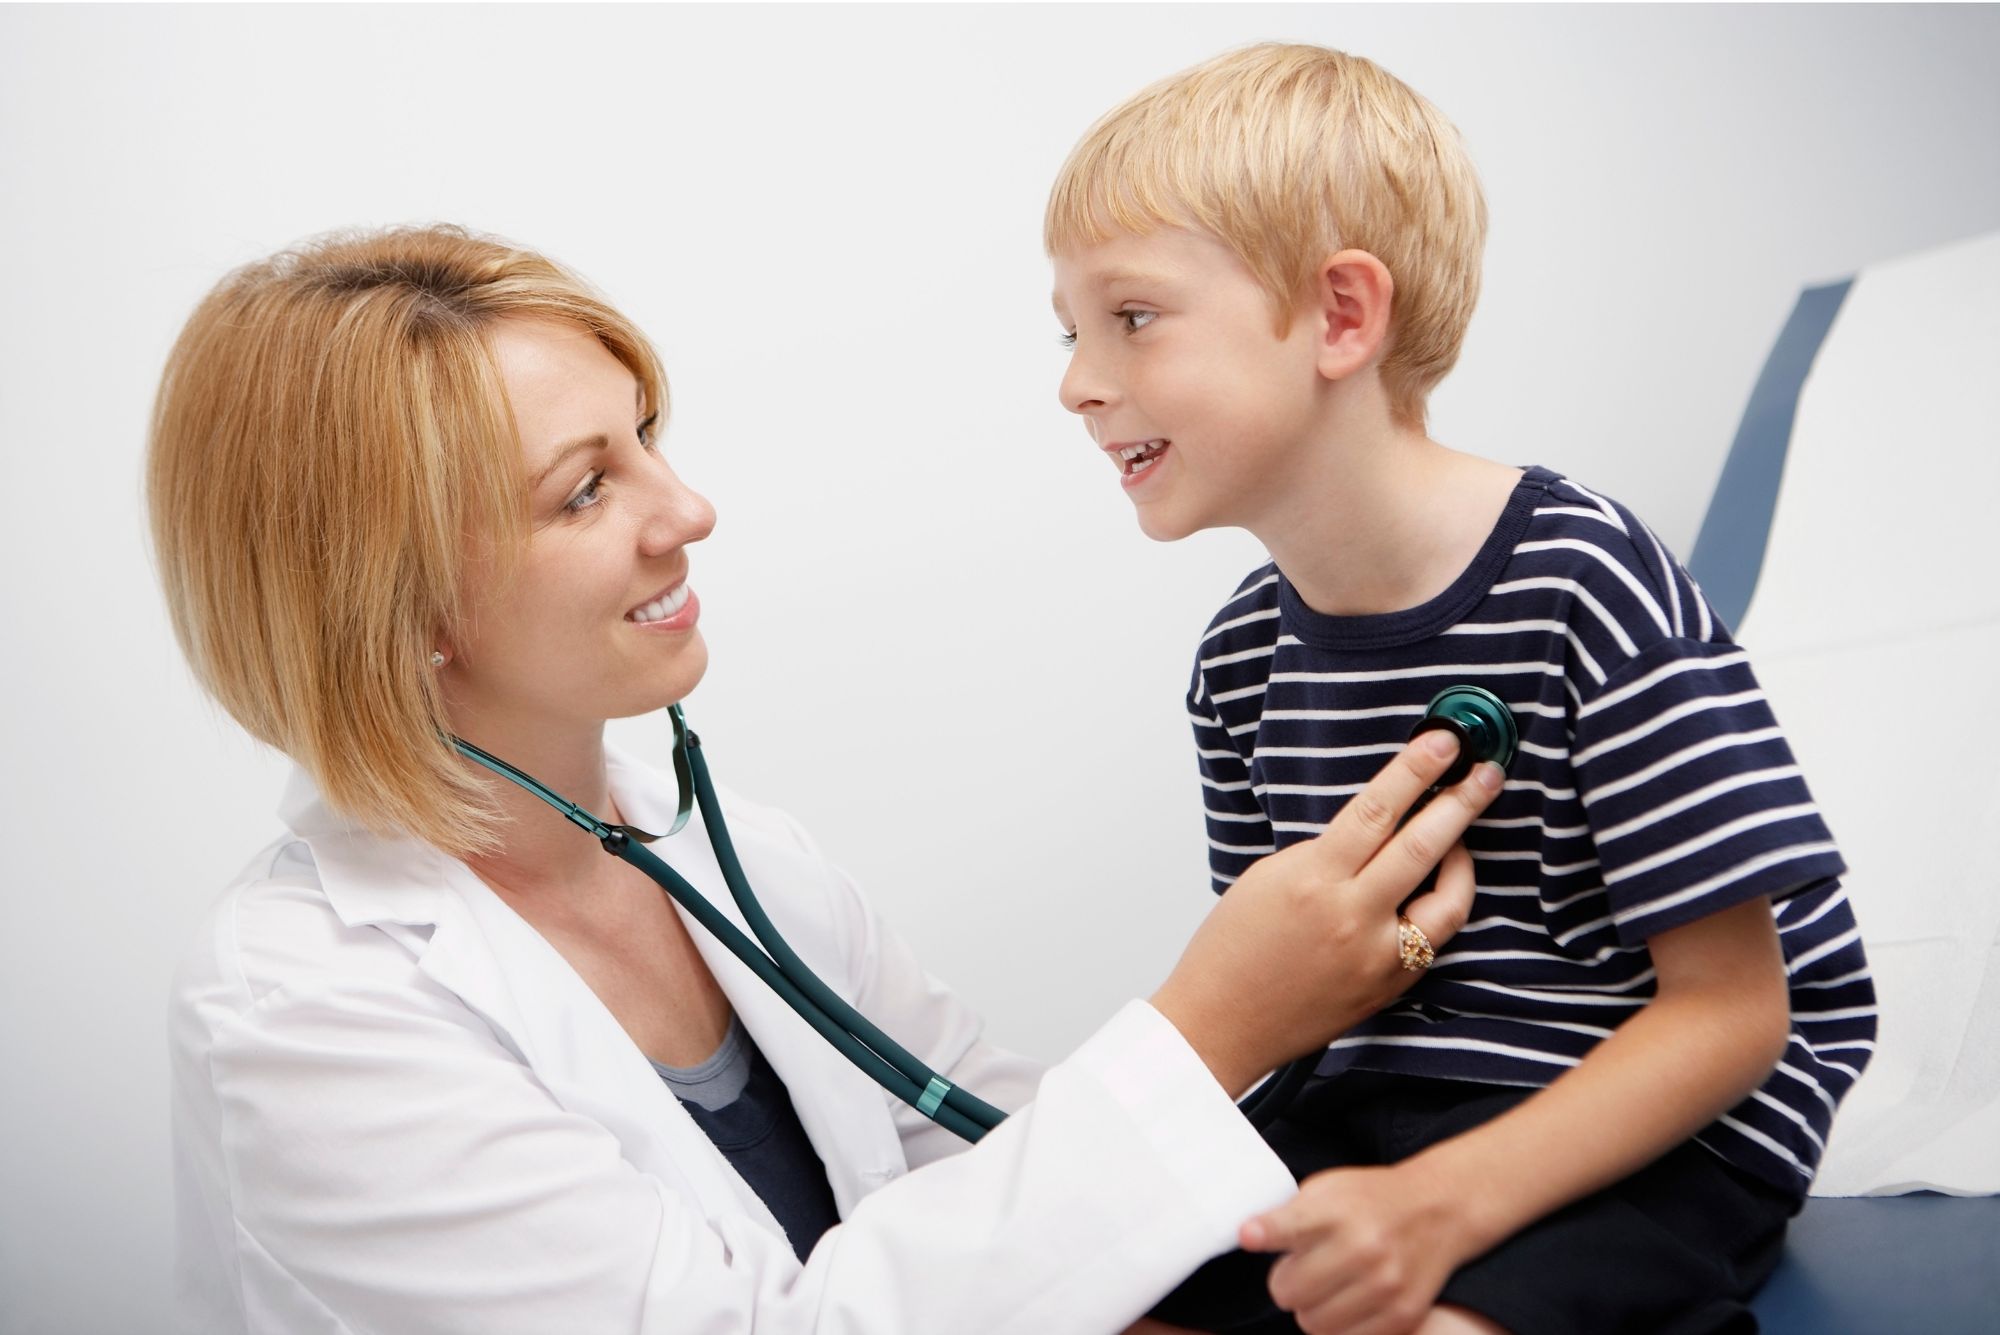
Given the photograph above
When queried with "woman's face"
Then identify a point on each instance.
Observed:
(600, 621)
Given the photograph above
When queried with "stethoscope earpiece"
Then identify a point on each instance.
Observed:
(1482, 723)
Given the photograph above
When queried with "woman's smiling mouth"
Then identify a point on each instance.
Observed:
(669, 609)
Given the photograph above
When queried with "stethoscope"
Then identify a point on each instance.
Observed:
(1484, 726)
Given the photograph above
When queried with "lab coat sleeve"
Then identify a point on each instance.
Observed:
(1195, 1170)
(397, 1170)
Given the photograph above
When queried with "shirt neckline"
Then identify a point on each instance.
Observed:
(709, 1067)
(1383, 630)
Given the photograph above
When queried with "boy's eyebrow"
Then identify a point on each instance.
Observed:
(1111, 278)
(1140, 276)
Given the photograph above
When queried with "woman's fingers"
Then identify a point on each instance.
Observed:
(1423, 842)
(1370, 817)
(1442, 910)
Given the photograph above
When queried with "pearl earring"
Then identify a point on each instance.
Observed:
(437, 658)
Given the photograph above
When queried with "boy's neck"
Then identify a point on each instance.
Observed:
(1381, 518)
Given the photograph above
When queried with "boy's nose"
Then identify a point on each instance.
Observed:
(1080, 390)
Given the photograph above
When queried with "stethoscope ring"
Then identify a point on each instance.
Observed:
(1481, 721)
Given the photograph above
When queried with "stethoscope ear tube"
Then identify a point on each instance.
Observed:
(871, 1063)
(933, 1088)
(878, 1056)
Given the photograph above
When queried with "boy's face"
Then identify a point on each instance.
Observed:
(1174, 351)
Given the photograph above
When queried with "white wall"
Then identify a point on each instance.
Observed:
(936, 634)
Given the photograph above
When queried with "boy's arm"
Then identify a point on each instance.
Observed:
(1373, 1246)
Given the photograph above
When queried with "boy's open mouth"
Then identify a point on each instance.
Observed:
(1137, 458)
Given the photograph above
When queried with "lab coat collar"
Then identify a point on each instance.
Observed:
(484, 952)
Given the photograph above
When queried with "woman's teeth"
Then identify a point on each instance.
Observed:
(661, 608)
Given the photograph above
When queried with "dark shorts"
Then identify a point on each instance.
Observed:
(1678, 1247)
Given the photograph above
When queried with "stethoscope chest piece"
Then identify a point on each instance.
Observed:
(1483, 724)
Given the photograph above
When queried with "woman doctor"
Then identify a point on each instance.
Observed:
(439, 1064)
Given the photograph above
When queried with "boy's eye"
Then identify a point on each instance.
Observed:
(1133, 320)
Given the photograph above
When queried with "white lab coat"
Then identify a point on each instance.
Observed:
(398, 1109)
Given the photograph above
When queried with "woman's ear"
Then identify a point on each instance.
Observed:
(1352, 300)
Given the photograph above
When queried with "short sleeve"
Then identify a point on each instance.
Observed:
(1694, 798)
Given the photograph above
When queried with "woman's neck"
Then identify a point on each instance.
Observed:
(543, 857)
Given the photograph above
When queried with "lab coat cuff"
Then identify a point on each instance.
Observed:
(1197, 1132)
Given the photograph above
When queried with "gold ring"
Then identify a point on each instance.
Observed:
(1412, 946)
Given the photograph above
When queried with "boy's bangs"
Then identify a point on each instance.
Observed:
(1104, 190)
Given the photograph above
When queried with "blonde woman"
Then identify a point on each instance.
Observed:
(441, 1065)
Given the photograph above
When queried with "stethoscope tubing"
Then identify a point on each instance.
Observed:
(980, 1113)
(851, 1046)
(877, 1055)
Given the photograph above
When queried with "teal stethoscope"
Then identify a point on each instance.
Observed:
(1483, 724)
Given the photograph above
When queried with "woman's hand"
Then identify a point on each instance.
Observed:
(1304, 945)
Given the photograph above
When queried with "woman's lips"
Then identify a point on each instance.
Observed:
(677, 609)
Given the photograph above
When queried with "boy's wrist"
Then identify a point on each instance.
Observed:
(1467, 1208)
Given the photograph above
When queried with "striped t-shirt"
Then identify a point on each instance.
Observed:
(1652, 787)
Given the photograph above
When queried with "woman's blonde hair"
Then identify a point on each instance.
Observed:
(332, 451)
(1287, 154)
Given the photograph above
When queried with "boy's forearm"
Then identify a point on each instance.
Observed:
(1695, 1051)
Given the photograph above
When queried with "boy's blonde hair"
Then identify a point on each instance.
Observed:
(1287, 154)
(332, 452)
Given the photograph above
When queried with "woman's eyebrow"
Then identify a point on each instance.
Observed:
(563, 455)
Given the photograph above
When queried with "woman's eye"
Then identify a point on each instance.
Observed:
(587, 497)
(1137, 320)
(1067, 340)
(646, 436)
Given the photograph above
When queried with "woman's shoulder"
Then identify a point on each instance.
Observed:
(275, 926)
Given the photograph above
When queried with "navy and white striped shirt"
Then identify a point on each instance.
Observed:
(1652, 787)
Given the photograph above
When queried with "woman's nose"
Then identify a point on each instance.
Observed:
(676, 515)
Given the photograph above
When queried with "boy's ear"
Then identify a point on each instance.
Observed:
(1351, 301)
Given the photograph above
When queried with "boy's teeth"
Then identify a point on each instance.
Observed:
(1136, 457)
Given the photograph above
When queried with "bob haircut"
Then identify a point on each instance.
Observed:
(1287, 154)
(332, 452)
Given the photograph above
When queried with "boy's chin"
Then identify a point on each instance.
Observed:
(1164, 524)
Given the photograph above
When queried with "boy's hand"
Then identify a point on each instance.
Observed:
(1367, 1249)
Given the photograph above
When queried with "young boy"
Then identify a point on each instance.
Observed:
(1600, 1105)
